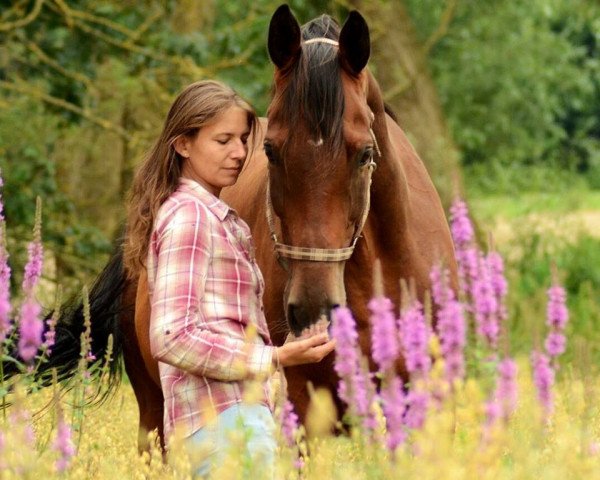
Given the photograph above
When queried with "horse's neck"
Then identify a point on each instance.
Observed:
(389, 192)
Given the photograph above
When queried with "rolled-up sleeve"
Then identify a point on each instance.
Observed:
(179, 334)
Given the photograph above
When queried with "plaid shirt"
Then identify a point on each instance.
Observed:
(205, 291)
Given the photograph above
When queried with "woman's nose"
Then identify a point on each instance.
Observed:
(240, 149)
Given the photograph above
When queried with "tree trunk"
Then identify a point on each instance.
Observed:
(399, 63)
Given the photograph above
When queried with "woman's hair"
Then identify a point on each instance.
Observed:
(158, 176)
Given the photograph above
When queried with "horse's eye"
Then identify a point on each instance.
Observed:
(269, 152)
(365, 157)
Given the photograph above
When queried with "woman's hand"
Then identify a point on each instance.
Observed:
(309, 350)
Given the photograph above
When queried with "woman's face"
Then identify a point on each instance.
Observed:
(216, 155)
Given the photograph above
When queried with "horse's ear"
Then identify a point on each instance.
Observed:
(284, 37)
(355, 43)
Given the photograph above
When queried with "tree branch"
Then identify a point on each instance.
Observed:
(41, 55)
(71, 13)
(5, 27)
(442, 28)
(32, 92)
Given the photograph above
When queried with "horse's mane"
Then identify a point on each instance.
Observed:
(313, 95)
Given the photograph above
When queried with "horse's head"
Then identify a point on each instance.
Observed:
(320, 148)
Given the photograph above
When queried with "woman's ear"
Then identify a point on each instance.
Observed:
(181, 146)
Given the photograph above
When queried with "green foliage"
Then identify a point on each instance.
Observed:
(520, 82)
(530, 277)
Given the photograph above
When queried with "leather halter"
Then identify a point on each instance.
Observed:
(311, 254)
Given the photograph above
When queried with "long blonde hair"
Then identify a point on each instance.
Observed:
(158, 176)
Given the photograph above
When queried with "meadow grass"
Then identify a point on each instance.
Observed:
(452, 444)
(490, 208)
(457, 439)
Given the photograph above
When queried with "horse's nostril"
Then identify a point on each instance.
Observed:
(292, 319)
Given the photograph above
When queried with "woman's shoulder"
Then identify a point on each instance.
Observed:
(179, 209)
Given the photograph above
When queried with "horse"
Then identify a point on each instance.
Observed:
(336, 187)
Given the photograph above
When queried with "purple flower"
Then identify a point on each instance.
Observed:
(33, 269)
(485, 304)
(460, 223)
(356, 387)
(506, 389)
(441, 291)
(556, 310)
(30, 330)
(452, 333)
(343, 329)
(63, 445)
(499, 283)
(493, 411)
(392, 398)
(384, 335)
(416, 409)
(415, 340)
(5, 307)
(466, 251)
(5, 323)
(468, 268)
(543, 378)
(1, 203)
(555, 344)
(557, 316)
(289, 424)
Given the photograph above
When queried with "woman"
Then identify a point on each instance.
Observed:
(205, 287)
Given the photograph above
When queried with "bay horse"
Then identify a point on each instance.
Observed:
(320, 213)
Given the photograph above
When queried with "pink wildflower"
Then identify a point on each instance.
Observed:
(415, 340)
(451, 325)
(33, 269)
(5, 307)
(356, 387)
(63, 445)
(30, 330)
(485, 304)
(543, 378)
(506, 390)
(556, 310)
(343, 329)
(5, 322)
(466, 252)
(555, 344)
(384, 335)
(557, 316)
(460, 225)
(392, 398)
(289, 424)
(499, 283)
(452, 332)
(416, 409)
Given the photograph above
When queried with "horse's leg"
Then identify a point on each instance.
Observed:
(144, 380)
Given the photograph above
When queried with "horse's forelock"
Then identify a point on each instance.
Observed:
(312, 94)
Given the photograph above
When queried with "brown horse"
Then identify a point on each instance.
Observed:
(314, 195)
(327, 124)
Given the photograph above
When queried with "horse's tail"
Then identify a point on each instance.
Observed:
(105, 311)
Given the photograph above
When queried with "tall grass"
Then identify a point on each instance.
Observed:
(480, 400)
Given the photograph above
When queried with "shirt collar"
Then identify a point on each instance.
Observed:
(214, 204)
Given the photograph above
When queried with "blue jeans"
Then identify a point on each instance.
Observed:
(213, 441)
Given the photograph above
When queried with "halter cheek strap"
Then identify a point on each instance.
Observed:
(284, 251)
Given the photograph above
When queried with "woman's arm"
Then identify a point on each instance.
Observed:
(178, 332)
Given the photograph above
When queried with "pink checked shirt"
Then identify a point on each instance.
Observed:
(205, 290)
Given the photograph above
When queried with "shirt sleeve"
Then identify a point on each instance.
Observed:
(179, 335)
